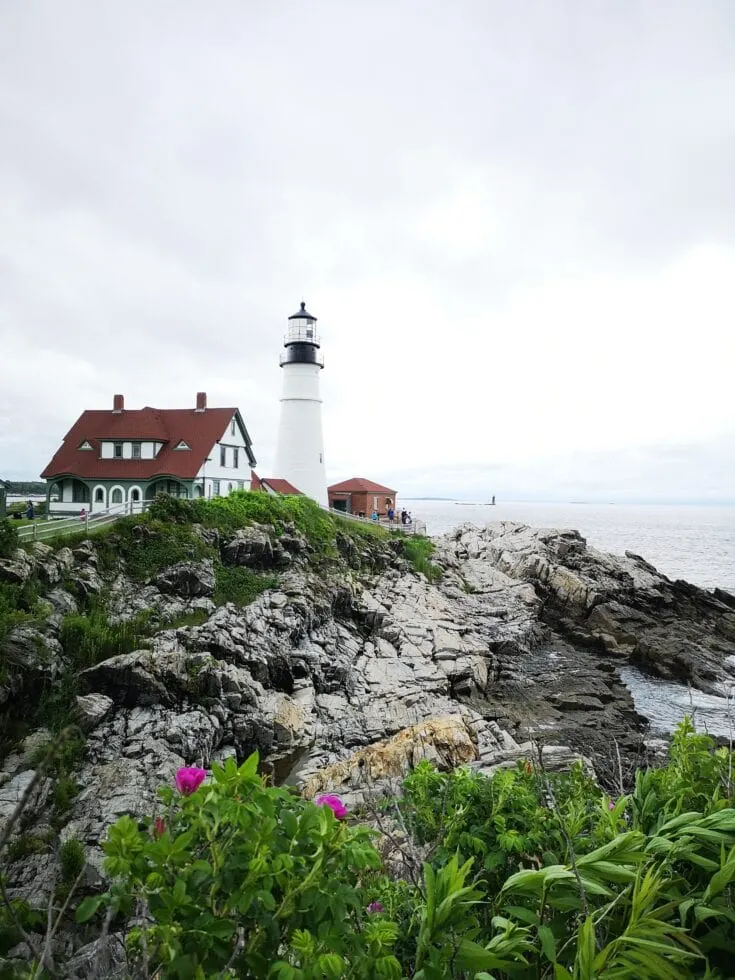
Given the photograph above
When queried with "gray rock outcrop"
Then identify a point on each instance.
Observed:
(343, 679)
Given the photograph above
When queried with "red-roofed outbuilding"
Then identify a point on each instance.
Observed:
(361, 496)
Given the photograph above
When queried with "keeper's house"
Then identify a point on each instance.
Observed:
(123, 457)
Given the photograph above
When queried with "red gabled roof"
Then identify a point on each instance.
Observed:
(358, 484)
(273, 483)
(280, 486)
(199, 430)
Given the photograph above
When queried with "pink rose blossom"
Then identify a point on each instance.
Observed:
(189, 779)
(334, 803)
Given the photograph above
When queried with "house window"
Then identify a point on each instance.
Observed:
(136, 450)
(118, 450)
(86, 444)
(240, 484)
(215, 488)
(79, 492)
(236, 457)
(99, 496)
(135, 495)
(232, 428)
(223, 455)
(116, 496)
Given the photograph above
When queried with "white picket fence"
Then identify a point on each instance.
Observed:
(42, 529)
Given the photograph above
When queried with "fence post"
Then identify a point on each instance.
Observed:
(34, 530)
(86, 521)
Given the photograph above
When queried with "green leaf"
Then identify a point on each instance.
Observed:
(249, 768)
(583, 963)
(88, 907)
(522, 913)
(548, 943)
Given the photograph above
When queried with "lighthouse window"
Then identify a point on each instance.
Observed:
(223, 456)
(309, 333)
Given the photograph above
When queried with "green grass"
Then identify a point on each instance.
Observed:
(418, 550)
(89, 639)
(240, 585)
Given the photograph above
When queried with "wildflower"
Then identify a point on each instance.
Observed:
(159, 827)
(189, 779)
(334, 803)
(611, 805)
(375, 908)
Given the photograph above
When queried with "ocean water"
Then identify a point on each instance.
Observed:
(691, 542)
(695, 543)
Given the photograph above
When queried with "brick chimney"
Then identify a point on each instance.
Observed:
(118, 404)
(201, 401)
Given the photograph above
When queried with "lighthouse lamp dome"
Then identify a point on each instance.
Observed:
(302, 328)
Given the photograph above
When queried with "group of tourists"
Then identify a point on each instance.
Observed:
(390, 513)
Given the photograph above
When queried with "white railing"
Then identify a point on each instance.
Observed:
(415, 527)
(41, 528)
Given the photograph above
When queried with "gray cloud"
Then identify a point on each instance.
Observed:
(515, 222)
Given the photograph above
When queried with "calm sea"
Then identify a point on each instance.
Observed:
(696, 543)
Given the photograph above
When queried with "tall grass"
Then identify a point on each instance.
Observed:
(418, 550)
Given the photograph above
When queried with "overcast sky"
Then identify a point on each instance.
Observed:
(514, 221)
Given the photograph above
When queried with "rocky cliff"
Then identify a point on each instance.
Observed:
(344, 669)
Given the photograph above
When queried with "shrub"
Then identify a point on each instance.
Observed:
(8, 538)
(252, 878)
(240, 874)
(148, 546)
(72, 858)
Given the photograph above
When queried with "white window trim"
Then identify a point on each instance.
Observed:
(111, 491)
(104, 494)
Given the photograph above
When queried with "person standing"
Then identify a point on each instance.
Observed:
(30, 513)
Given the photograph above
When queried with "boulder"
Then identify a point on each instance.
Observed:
(251, 547)
(18, 569)
(91, 709)
(188, 579)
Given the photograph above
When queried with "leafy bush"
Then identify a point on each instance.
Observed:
(148, 546)
(418, 550)
(254, 879)
(8, 538)
(529, 875)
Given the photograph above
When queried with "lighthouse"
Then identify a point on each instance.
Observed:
(300, 446)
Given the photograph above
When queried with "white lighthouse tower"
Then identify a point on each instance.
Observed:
(300, 446)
